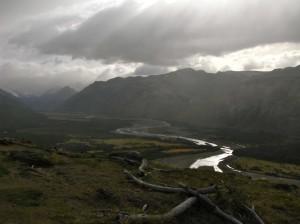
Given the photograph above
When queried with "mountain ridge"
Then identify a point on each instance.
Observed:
(258, 101)
(50, 100)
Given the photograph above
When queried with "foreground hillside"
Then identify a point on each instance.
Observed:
(14, 114)
(57, 186)
(256, 102)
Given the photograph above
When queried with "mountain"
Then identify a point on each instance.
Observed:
(49, 100)
(246, 101)
(14, 113)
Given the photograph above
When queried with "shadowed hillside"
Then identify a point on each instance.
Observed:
(248, 101)
(49, 100)
(14, 114)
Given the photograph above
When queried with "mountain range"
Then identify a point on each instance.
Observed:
(50, 100)
(243, 101)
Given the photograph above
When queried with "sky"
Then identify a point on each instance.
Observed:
(51, 44)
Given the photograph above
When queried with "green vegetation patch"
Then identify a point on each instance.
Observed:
(137, 142)
(31, 158)
(3, 171)
(93, 189)
(148, 147)
(21, 197)
(266, 167)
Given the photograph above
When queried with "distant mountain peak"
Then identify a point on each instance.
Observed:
(186, 70)
(67, 88)
(50, 100)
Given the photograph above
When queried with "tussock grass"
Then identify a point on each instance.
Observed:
(266, 167)
(90, 189)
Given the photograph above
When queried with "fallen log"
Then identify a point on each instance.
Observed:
(253, 213)
(173, 213)
(163, 170)
(195, 193)
(167, 189)
(143, 167)
(203, 199)
(216, 210)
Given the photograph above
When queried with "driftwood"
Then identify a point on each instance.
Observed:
(164, 170)
(166, 189)
(253, 213)
(143, 163)
(173, 213)
(195, 196)
(199, 194)
(203, 199)
(143, 167)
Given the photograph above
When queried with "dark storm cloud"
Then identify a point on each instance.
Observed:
(44, 44)
(165, 32)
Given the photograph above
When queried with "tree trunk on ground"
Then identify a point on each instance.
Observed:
(173, 213)
(143, 167)
(167, 189)
(255, 216)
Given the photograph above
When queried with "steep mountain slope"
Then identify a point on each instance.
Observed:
(254, 101)
(14, 114)
(269, 102)
(50, 100)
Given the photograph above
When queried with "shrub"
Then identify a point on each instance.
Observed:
(31, 158)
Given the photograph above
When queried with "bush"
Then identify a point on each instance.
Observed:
(133, 155)
(31, 158)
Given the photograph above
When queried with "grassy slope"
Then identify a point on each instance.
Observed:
(266, 167)
(60, 127)
(79, 189)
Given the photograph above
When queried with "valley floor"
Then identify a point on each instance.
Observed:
(66, 174)
(91, 187)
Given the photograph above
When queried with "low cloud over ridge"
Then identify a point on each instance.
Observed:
(74, 42)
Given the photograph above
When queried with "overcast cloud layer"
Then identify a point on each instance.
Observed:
(48, 44)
